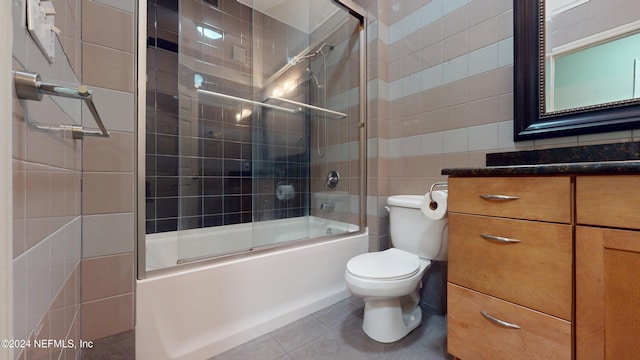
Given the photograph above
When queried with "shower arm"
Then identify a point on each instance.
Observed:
(296, 59)
(288, 64)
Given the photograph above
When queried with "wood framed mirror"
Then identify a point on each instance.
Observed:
(537, 114)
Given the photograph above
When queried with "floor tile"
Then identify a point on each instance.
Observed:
(336, 333)
(340, 313)
(333, 346)
(299, 332)
(262, 348)
(116, 347)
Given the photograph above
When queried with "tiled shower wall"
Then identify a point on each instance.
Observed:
(198, 155)
(205, 165)
(84, 240)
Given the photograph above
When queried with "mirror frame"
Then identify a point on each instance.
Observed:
(530, 121)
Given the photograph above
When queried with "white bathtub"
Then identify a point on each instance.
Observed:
(165, 249)
(198, 312)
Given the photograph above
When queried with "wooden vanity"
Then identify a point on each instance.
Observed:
(544, 262)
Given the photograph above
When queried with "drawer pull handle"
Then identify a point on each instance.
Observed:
(499, 322)
(500, 239)
(499, 197)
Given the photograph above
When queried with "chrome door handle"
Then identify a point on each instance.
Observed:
(499, 197)
(501, 239)
(499, 322)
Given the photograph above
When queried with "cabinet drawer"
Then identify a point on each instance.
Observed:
(608, 201)
(535, 272)
(471, 335)
(538, 198)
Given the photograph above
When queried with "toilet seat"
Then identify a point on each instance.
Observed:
(388, 265)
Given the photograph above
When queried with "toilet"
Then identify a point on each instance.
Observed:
(389, 281)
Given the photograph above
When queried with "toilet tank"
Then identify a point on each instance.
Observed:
(412, 231)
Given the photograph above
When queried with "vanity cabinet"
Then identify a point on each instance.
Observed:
(607, 267)
(510, 284)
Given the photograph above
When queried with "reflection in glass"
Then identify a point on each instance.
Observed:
(602, 73)
(591, 52)
(250, 104)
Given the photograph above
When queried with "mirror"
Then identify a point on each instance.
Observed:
(576, 67)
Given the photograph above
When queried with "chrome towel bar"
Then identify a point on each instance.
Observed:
(238, 99)
(339, 115)
(30, 87)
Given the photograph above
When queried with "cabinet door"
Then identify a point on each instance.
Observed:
(607, 293)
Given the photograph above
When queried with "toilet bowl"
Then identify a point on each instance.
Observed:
(389, 281)
(391, 299)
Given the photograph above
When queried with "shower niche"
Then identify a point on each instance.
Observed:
(249, 104)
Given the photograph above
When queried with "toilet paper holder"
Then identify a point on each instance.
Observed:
(432, 203)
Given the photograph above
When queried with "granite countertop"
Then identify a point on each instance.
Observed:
(584, 168)
(610, 159)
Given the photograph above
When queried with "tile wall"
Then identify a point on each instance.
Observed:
(440, 95)
(162, 182)
(46, 192)
(198, 155)
(82, 235)
(108, 232)
(206, 164)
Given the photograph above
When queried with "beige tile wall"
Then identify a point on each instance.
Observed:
(108, 182)
(46, 193)
(440, 95)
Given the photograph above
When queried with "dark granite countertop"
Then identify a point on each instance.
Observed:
(604, 159)
(583, 168)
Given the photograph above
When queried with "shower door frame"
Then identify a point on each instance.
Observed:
(354, 10)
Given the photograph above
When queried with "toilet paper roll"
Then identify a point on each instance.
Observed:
(436, 209)
(285, 192)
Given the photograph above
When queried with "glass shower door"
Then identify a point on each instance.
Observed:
(267, 105)
(215, 137)
(305, 59)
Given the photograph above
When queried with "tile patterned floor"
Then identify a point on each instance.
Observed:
(117, 347)
(336, 333)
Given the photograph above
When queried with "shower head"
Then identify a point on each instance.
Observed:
(295, 60)
(330, 45)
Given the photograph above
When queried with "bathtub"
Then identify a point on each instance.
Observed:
(199, 311)
(162, 249)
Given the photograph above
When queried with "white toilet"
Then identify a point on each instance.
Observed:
(389, 281)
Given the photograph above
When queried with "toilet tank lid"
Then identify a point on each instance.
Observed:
(407, 201)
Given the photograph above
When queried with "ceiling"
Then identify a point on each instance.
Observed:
(304, 15)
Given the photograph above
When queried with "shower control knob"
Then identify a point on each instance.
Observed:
(333, 178)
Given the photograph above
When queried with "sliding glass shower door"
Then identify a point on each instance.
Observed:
(265, 102)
